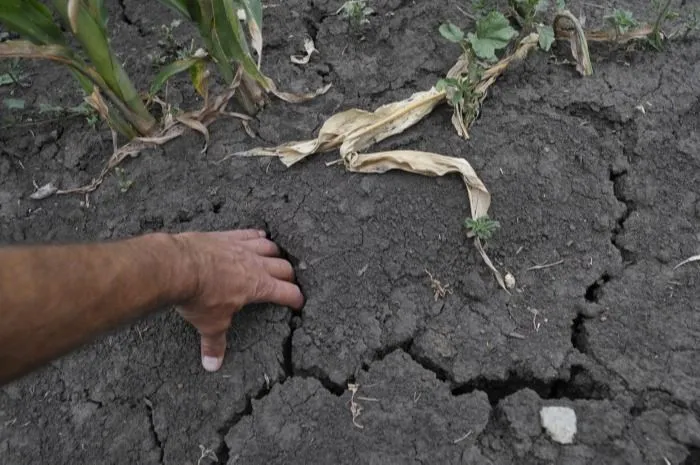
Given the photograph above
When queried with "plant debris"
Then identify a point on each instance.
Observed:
(309, 49)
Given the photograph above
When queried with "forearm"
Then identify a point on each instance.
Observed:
(54, 298)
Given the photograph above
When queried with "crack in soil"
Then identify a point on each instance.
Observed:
(152, 429)
(628, 257)
(579, 385)
(579, 334)
(595, 290)
(693, 456)
(127, 20)
(223, 452)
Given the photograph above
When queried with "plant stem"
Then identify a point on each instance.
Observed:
(659, 19)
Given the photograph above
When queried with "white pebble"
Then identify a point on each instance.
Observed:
(560, 423)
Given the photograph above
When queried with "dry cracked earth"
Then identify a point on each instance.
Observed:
(582, 180)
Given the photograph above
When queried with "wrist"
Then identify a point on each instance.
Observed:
(181, 269)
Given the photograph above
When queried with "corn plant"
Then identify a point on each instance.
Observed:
(100, 75)
(227, 43)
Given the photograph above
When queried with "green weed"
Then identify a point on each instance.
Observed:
(493, 32)
(13, 74)
(356, 12)
(483, 227)
(622, 21)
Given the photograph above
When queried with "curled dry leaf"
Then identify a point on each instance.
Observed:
(526, 45)
(642, 32)
(567, 26)
(172, 128)
(509, 280)
(292, 97)
(427, 164)
(193, 123)
(430, 164)
(309, 49)
(355, 130)
(73, 9)
(45, 191)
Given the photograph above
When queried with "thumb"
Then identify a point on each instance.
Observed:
(213, 350)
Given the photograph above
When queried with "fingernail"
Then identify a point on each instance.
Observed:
(262, 233)
(211, 363)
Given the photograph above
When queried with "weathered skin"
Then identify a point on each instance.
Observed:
(55, 298)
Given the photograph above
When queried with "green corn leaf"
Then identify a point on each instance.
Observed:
(451, 32)
(32, 20)
(253, 10)
(546, 39)
(92, 34)
(493, 32)
(87, 76)
(171, 70)
(229, 34)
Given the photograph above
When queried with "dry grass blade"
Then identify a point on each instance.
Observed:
(173, 127)
(427, 164)
(694, 258)
(602, 35)
(292, 97)
(526, 45)
(193, 123)
(73, 9)
(356, 129)
(484, 256)
(431, 164)
(577, 37)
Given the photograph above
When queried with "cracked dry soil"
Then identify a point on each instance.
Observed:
(578, 176)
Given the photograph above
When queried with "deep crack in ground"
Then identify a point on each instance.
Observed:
(152, 428)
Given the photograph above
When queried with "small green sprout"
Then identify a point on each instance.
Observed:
(622, 21)
(356, 12)
(482, 227)
(14, 74)
(123, 180)
(462, 93)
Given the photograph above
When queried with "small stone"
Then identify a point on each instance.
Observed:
(560, 423)
(509, 281)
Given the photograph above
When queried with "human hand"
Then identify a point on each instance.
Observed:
(232, 269)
